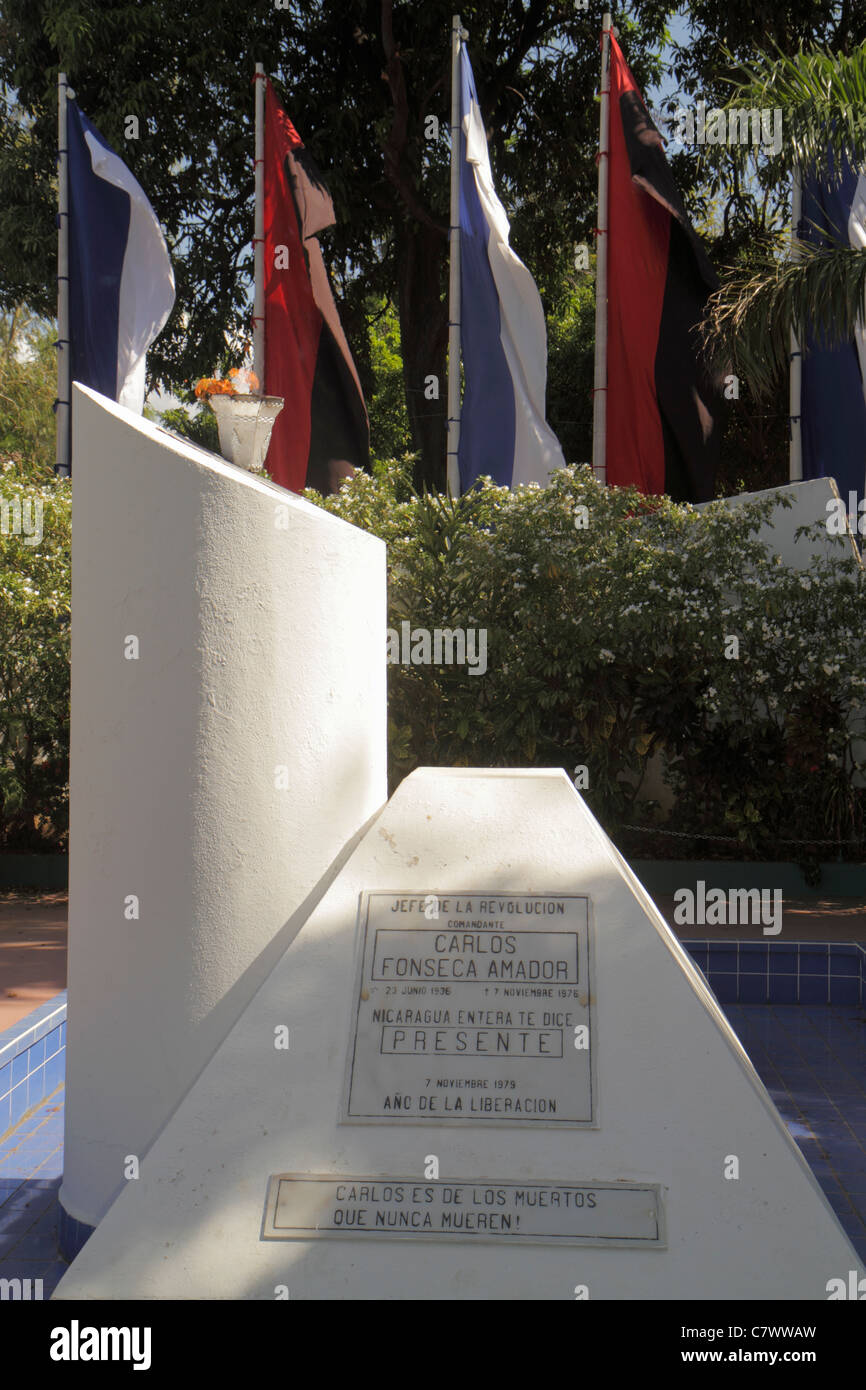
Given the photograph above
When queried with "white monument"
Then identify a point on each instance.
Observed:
(227, 744)
(815, 500)
(484, 1068)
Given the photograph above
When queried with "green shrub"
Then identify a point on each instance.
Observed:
(34, 661)
(607, 643)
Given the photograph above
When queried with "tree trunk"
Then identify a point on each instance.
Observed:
(423, 308)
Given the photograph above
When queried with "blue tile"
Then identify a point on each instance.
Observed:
(5, 1079)
(844, 991)
(783, 989)
(752, 962)
(51, 1168)
(52, 1276)
(783, 960)
(34, 1200)
(14, 1222)
(52, 1042)
(753, 989)
(42, 1247)
(5, 1113)
(721, 959)
(48, 1216)
(73, 1234)
(844, 965)
(63, 1033)
(724, 987)
(36, 1087)
(840, 1205)
(36, 1055)
(17, 1268)
(19, 1068)
(849, 1166)
(813, 989)
(55, 1071)
(19, 1101)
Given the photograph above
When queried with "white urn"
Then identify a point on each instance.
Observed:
(245, 424)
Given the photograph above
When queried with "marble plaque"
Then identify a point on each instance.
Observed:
(306, 1206)
(472, 1008)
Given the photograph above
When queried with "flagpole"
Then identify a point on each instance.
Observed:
(599, 392)
(795, 456)
(259, 233)
(61, 465)
(453, 470)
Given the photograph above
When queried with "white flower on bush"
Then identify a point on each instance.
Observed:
(605, 655)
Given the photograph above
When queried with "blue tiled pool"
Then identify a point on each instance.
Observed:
(782, 972)
(811, 1058)
(31, 1164)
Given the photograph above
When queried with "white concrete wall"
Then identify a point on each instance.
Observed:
(676, 1095)
(810, 501)
(261, 622)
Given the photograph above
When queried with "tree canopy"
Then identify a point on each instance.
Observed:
(361, 80)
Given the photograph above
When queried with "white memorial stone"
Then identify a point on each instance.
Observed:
(676, 1180)
(228, 742)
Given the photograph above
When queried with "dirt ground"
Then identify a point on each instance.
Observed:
(32, 952)
(33, 940)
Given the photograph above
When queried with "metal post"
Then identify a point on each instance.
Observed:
(453, 474)
(259, 233)
(62, 456)
(599, 397)
(795, 456)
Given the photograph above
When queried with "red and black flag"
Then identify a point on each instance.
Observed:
(664, 407)
(322, 432)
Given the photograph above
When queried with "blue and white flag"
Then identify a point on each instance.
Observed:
(833, 395)
(503, 431)
(121, 284)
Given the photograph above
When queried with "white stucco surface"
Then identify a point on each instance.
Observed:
(676, 1099)
(810, 504)
(260, 622)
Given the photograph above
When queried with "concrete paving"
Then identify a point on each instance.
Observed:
(32, 952)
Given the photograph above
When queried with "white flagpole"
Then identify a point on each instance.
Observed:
(61, 465)
(795, 457)
(599, 396)
(453, 473)
(259, 233)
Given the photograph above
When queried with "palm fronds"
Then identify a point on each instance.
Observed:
(750, 317)
(822, 97)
